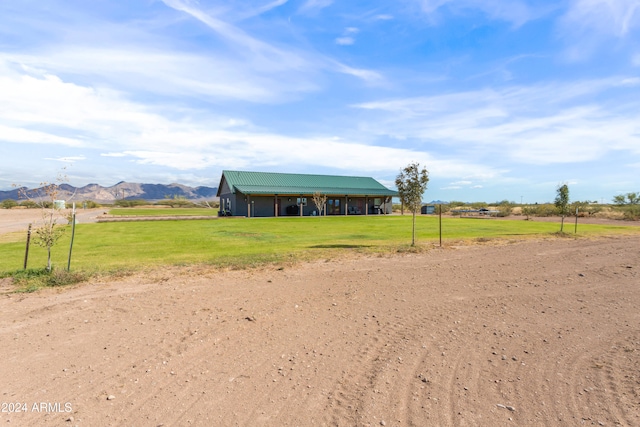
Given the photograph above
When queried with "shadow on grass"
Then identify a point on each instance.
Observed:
(339, 246)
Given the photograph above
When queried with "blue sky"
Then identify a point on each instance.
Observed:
(498, 99)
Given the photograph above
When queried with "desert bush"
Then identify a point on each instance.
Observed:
(126, 203)
(8, 204)
(214, 204)
(90, 204)
(176, 203)
(445, 209)
(456, 203)
(545, 209)
(630, 212)
(504, 210)
(29, 204)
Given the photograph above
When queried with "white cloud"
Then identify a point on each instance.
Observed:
(542, 124)
(345, 41)
(67, 159)
(113, 154)
(38, 109)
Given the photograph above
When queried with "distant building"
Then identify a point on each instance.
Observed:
(266, 194)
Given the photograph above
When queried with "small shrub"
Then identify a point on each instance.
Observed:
(29, 204)
(31, 280)
(504, 210)
(64, 278)
(8, 203)
(125, 203)
(631, 212)
(90, 204)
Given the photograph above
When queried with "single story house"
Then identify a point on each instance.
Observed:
(267, 194)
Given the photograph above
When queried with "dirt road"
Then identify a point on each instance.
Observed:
(513, 334)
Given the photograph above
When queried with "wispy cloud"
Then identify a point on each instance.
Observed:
(588, 25)
(312, 6)
(38, 109)
(540, 124)
(259, 10)
(67, 159)
(347, 36)
(611, 17)
(517, 12)
(269, 57)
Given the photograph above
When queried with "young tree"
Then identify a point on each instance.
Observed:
(411, 184)
(320, 200)
(562, 202)
(48, 232)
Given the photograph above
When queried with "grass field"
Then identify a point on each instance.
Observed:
(163, 212)
(106, 247)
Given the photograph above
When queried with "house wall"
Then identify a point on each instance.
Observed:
(263, 206)
(238, 204)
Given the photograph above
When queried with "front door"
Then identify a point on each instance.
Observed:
(333, 207)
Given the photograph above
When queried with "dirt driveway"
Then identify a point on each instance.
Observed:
(19, 219)
(525, 333)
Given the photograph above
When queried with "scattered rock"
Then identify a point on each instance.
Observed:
(510, 408)
(111, 397)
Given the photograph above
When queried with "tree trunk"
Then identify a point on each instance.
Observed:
(413, 230)
(562, 224)
(49, 260)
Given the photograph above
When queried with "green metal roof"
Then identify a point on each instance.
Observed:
(294, 184)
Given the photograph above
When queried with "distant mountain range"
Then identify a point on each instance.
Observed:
(123, 190)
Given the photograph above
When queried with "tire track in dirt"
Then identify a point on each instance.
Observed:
(343, 343)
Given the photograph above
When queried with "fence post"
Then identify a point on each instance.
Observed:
(26, 251)
(73, 233)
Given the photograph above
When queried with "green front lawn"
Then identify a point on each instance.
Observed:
(245, 242)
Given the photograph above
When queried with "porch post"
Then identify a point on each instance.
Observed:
(366, 205)
(275, 201)
(248, 206)
(346, 204)
(301, 206)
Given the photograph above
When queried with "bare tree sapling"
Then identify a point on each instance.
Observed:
(411, 184)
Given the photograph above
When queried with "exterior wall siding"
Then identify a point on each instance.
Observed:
(264, 206)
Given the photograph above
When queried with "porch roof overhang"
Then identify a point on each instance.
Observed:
(309, 191)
